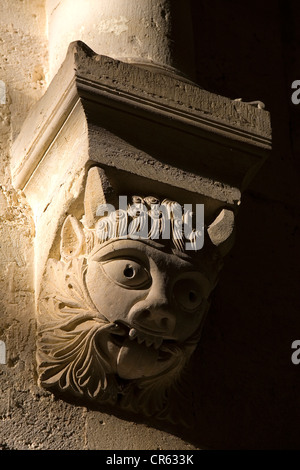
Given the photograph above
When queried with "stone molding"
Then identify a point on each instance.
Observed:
(99, 81)
(106, 128)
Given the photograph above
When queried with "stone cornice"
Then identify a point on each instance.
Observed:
(98, 82)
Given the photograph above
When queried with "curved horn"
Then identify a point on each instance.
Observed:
(72, 238)
(222, 231)
(98, 191)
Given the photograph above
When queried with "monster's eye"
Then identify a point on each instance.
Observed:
(188, 294)
(127, 273)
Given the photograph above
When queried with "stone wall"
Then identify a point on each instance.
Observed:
(246, 389)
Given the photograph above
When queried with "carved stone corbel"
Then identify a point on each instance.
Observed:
(118, 317)
(95, 347)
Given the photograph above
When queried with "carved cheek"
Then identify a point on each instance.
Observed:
(189, 302)
(187, 324)
(111, 300)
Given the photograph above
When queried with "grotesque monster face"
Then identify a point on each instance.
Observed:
(118, 317)
(154, 298)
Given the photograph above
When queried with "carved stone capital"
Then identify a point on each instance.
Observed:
(118, 318)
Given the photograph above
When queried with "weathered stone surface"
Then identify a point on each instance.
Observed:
(221, 230)
(149, 32)
(134, 436)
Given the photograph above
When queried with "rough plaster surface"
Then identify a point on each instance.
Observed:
(65, 127)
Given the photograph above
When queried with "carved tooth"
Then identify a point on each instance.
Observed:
(132, 333)
(140, 338)
(157, 343)
(149, 342)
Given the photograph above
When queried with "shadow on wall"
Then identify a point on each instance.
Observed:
(246, 389)
(242, 387)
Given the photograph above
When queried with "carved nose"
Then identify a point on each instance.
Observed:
(153, 317)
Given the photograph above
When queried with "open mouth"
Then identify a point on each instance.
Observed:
(140, 354)
(122, 331)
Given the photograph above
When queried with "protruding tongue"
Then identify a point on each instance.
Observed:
(136, 360)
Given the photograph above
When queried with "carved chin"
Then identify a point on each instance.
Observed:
(140, 355)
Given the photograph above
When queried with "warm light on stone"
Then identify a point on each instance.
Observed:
(147, 226)
(145, 31)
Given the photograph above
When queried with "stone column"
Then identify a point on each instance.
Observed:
(144, 31)
(118, 320)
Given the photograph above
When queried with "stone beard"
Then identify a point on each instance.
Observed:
(119, 319)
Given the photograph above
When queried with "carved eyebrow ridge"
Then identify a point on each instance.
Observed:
(133, 254)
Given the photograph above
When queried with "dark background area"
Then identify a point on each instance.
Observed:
(247, 390)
